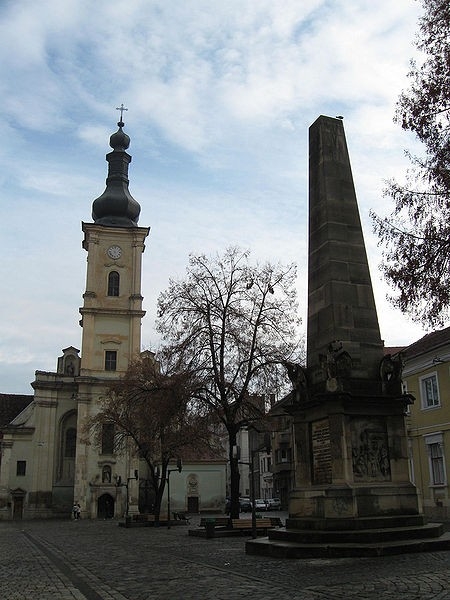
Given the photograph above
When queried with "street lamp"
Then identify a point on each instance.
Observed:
(169, 471)
(127, 497)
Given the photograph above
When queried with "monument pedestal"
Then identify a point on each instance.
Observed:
(351, 460)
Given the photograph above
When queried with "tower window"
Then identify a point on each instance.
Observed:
(108, 438)
(110, 360)
(21, 467)
(113, 283)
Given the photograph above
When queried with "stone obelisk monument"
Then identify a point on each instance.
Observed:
(352, 456)
(352, 492)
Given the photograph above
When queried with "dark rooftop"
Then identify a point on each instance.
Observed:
(428, 342)
(11, 405)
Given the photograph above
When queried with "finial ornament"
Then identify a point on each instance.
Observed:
(121, 108)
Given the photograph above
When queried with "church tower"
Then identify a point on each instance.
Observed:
(47, 463)
(110, 317)
(112, 310)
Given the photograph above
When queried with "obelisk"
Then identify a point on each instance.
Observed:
(349, 408)
(352, 494)
(341, 306)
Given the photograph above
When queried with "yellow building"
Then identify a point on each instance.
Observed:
(426, 376)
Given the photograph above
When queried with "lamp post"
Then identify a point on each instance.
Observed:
(125, 484)
(169, 471)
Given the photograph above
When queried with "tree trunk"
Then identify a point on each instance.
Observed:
(161, 484)
(235, 477)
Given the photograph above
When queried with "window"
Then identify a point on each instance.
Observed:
(429, 391)
(435, 448)
(283, 455)
(108, 438)
(21, 467)
(113, 283)
(437, 464)
(70, 443)
(110, 360)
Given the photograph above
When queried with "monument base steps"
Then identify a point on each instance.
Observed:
(313, 542)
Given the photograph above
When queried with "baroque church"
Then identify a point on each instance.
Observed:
(47, 463)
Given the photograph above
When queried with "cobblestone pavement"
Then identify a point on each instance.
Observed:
(97, 560)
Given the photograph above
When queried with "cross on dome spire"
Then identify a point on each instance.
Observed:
(116, 207)
(122, 109)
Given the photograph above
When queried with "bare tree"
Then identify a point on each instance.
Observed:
(154, 411)
(231, 324)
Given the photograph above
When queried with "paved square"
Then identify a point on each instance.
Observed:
(97, 560)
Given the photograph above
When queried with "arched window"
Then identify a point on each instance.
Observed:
(70, 442)
(108, 438)
(113, 283)
(67, 448)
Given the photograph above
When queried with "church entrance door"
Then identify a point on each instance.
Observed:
(192, 504)
(105, 507)
(18, 508)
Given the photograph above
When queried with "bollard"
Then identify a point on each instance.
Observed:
(210, 528)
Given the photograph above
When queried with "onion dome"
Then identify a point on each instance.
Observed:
(116, 207)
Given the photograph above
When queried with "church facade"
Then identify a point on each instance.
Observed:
(47, 461)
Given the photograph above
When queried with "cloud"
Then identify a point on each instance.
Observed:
(220, 98)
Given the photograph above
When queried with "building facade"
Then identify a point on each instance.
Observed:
(426, 376)
(49, 461)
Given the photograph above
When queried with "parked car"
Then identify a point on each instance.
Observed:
(273, 504)
(261, 504)
(245, 504)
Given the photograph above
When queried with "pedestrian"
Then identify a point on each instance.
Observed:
(74, 510)
(78, 511)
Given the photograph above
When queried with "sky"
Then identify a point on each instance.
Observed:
(220, 96)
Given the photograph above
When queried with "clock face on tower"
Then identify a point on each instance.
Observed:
(114, 252)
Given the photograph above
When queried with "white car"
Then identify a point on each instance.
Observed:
(273, 504)
(260, 504)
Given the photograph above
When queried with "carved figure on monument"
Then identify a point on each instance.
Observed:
(391, 373)
(297, 375)
(336, 365)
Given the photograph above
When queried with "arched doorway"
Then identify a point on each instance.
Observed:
(18, 496)
(105, 507)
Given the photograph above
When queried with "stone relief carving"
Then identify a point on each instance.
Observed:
(192, 484)
(370, 452)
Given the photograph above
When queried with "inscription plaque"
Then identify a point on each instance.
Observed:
(321, 451)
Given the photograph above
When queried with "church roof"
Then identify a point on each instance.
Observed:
(116, 207)
(11, 405)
